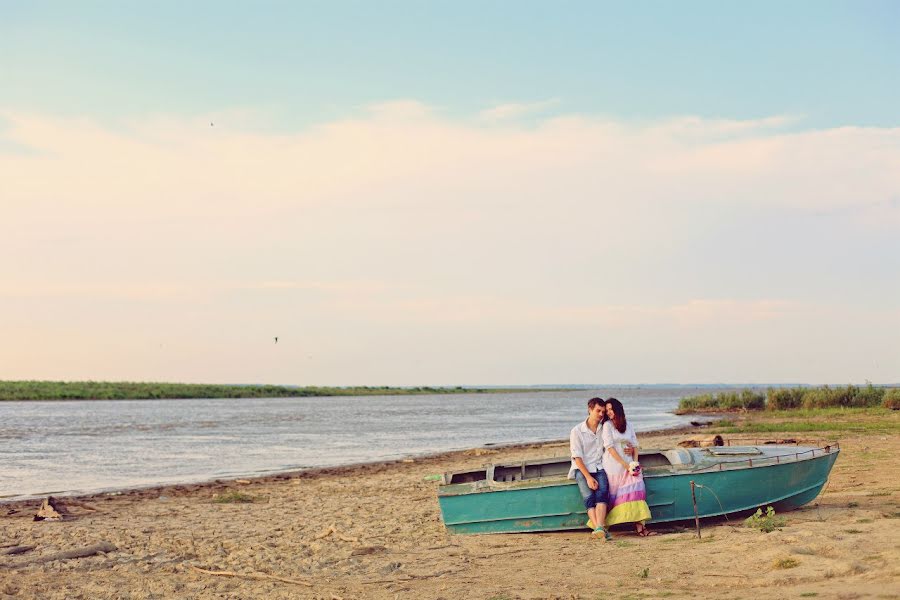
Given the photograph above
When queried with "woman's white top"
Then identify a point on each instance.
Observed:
(612, 439)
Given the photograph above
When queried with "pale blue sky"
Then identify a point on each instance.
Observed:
(833, 63)
(460, 193)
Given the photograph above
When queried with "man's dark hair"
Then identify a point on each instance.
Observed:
(594, 402)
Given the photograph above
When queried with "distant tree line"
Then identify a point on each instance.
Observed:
(123, 390)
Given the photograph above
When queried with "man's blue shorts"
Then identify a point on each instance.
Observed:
(593, 497)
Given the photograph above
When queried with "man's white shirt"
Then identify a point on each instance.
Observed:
(586, 445)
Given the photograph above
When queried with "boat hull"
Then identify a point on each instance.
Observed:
(554, 503)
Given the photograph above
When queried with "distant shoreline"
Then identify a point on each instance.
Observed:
(38, 391)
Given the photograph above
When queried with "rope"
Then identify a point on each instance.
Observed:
(711, 491)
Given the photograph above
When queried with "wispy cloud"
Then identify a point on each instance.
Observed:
(515, 110)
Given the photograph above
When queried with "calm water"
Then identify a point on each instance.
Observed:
(84, 446)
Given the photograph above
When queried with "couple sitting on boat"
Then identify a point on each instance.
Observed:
(605, 466)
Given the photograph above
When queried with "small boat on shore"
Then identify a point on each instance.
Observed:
(535, 495)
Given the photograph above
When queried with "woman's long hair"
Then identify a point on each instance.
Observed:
(618, 420)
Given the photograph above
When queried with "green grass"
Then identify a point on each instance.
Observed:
(234, 498)
(849, 420)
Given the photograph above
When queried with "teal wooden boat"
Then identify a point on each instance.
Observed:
(535, 495)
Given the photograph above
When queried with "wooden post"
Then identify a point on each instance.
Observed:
(696, 516)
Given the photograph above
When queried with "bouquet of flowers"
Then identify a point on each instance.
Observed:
(634, 468)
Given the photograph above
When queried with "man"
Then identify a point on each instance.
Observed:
(586, 446)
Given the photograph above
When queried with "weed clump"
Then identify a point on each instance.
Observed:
(766, 522)
(786, 563)
(234, 498)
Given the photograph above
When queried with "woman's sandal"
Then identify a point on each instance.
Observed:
(644, 532)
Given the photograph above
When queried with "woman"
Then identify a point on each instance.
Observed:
(627, 494)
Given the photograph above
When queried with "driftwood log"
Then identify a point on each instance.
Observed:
(702, 441)
(17, 550)
(102, 547)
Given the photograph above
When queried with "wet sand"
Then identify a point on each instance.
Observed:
(374, 531)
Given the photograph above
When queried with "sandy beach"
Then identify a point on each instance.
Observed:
(374, 531)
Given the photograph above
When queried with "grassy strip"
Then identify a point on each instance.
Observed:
(121, 390)
(841, 420)
(781, 399)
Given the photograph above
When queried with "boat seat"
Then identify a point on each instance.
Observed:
(467, 476)
(665, 458)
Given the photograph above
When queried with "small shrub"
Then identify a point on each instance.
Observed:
(785, 398)
(891, 399)
(767, 522)
(786, 563)
(234, 498)
(868, 396)
(644, 573)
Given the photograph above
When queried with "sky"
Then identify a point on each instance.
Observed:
(467, 193)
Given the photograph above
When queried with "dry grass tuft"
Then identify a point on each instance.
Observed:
(786, 563)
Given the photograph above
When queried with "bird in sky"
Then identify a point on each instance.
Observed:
(276, 339)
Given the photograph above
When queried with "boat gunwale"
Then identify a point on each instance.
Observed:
(490, 485)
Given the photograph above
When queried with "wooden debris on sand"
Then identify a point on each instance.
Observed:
(258, 576)
(479, 452)
(702, 442)
(332, 530)
(102, 547)
(51, 510)
(17, 550)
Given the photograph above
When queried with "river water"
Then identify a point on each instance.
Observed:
(78, 447)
